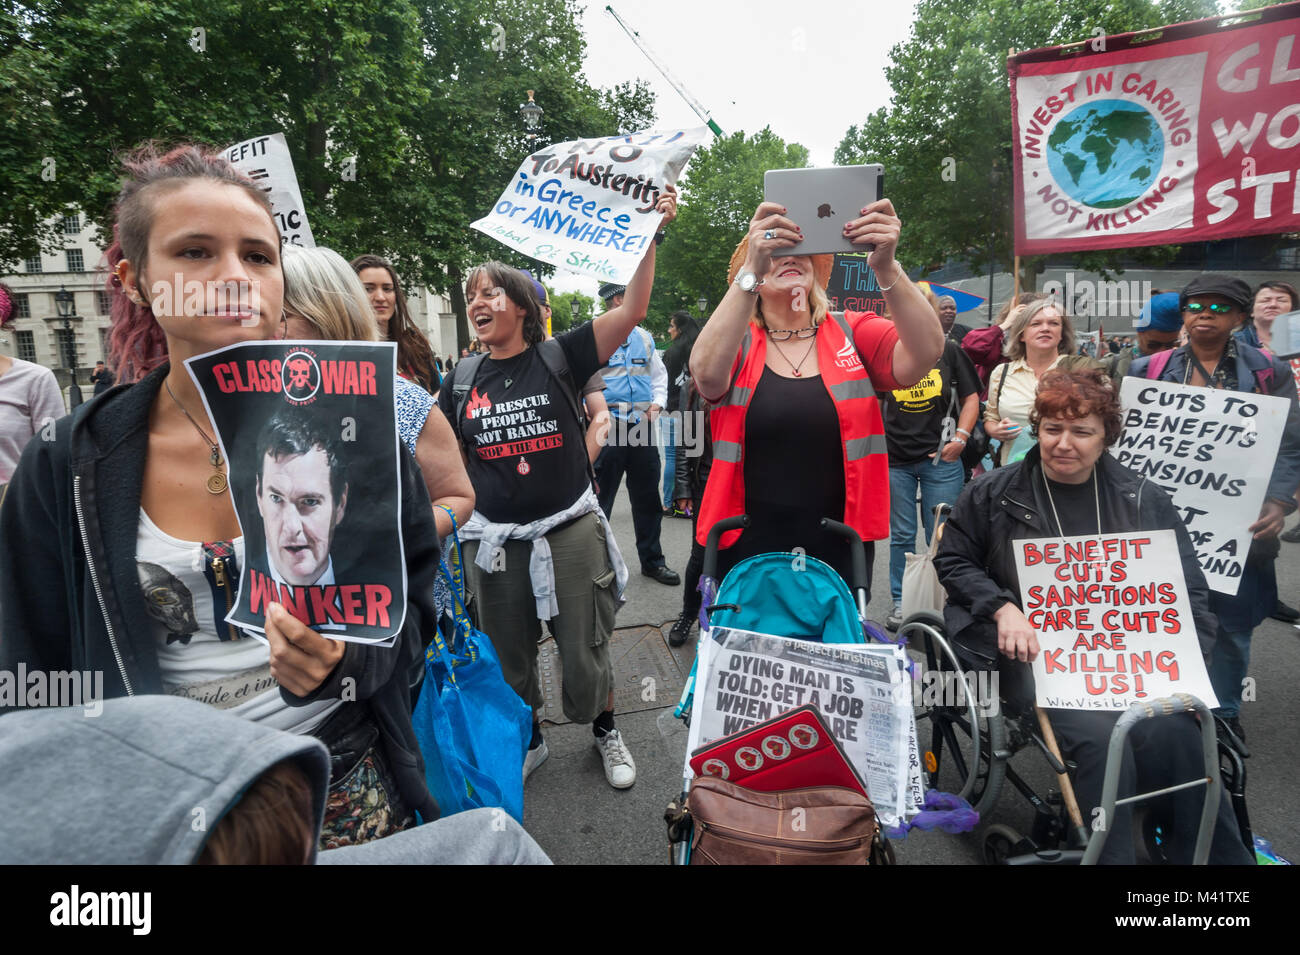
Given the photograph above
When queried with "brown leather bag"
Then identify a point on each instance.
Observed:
(820, 825)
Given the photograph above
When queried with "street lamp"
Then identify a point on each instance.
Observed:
(575, 307)
(66, 302)
(703, 303)
(531, 114)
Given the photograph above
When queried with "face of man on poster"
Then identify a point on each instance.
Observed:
(300, 511)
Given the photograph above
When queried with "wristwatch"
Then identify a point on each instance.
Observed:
(747, 281)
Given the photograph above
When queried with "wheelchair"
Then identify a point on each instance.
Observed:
(970, 739)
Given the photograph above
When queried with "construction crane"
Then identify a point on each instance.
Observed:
(644, 47)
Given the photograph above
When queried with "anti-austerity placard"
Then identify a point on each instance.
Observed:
(1183, 133)
(1213, 451)
(589, 205)
(309, 433)
(266, 160)
(863, 691)
(1114, 622)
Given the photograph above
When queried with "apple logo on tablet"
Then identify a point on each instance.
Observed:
(824, 211)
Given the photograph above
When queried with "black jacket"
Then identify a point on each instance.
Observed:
(976, 559)
(691, 472)
(70, 596)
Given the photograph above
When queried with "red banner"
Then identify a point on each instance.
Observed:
(1184, 133)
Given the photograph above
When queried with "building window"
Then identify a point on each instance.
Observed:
(72, 224)
(33, 265)
(103, 344)
(103, 303)
(26, 346)
(22, 307)
(76, 261)
(67, 344)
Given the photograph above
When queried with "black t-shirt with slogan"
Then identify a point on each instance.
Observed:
(914, 416)
(527, 458)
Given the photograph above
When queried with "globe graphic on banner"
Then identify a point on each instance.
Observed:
(1106, 153)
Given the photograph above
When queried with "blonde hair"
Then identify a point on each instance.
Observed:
(819, 307)
(320, 286)
(1014, 348)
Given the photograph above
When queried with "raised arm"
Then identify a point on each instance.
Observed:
(920, 336)
(612, 328)
(719, 340)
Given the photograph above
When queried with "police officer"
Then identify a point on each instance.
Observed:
(636, 389)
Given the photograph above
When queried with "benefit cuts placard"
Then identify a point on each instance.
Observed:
(1113, 620)
(1213, 451)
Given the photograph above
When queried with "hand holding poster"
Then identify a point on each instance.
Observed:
(862, 690)
(589, 205)
(1213, 451)
(309, 431)
(266, 160)
(1113, 619)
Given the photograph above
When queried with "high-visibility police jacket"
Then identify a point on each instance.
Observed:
(862, 433)
(635, 377)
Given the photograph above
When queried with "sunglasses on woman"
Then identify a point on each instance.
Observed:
(1218, 308)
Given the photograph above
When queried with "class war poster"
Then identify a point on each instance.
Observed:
(309, 433)
(589, 205)
(1113, 619)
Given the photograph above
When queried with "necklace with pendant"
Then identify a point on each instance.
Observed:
(217, 482)
(509, 372)
(795, 368)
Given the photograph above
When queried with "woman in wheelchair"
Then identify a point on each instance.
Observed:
(1068, 486)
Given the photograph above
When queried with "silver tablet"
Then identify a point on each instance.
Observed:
(821, 201)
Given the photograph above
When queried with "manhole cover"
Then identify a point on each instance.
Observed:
(646, 674)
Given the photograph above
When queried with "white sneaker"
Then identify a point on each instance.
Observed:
(534, 759)
(619, 768)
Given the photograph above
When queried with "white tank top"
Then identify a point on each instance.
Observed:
(188, 588)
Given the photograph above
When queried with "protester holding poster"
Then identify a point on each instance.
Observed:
(782, 377)
(539, 546)
(120, 549)
(1213, 306)
(1067, 486)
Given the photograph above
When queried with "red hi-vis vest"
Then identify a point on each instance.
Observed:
(862, 433)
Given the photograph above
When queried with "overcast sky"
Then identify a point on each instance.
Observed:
(810, 69)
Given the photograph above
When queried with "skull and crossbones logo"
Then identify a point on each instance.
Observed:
(300, 375)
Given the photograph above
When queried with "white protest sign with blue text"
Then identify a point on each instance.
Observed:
(266, 160)
(589, 205)
(1213, 451)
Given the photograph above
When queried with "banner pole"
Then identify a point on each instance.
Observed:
(1015, 283)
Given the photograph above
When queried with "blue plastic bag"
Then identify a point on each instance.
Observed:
(473, 729)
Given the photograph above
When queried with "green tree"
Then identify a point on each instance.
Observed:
(945, 137)
(403, 117)
(722, 187)
(562, 309)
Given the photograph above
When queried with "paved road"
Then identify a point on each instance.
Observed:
(577, 818)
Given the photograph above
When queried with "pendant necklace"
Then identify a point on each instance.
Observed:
(217, 479)
(1096, 497)
(509, 373)
(795, 368)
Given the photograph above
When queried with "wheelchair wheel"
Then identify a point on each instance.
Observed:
(1000, 844)
(964, 750)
